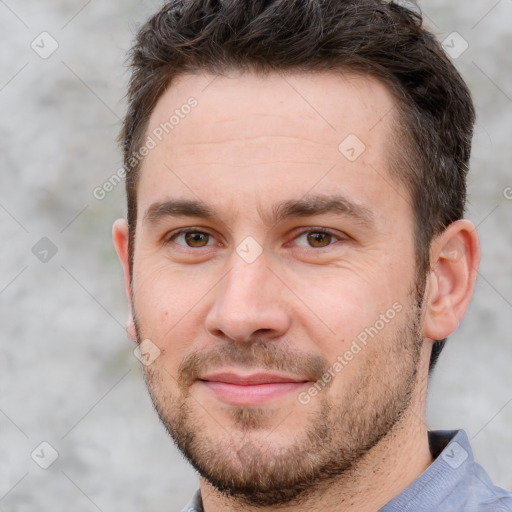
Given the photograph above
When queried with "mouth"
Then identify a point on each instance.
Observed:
(252, 389)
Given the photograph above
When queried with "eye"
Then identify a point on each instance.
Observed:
(317, 238)
(192, 238)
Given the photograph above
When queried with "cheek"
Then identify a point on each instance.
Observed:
(168, 305)
(343, 301)
(166, 294)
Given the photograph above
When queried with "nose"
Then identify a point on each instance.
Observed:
(249, 304)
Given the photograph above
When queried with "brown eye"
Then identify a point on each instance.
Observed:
(319, 239)
(191, 238)
(196, 239)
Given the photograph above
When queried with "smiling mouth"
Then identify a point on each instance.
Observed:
(252, 389)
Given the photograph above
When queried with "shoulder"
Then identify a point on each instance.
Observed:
(473, 489)
(454, 482)
(483, 495)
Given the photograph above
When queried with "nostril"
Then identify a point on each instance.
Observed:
(262, 331)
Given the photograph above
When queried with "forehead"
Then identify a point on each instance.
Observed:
(325, 105)
(276, 135)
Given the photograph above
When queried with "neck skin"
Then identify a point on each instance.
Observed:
(383, 473)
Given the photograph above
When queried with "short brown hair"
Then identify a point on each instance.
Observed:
(432, 138)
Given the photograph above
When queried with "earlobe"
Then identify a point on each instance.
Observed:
(454, 257)
(120, 235)
(130, 328)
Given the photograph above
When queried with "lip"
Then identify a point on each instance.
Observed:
(253, 389)
(252, 379)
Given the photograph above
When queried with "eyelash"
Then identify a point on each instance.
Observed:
(301, 233)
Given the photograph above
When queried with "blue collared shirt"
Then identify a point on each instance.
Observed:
(454, 482)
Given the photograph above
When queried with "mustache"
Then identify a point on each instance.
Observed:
(251, 355)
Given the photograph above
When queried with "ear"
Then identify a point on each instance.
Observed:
(120, 236)
(454, 260)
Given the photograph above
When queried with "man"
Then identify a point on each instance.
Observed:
(295, 253)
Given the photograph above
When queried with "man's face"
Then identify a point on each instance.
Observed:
(307, 260)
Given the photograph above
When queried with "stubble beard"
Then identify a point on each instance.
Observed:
(248, 465)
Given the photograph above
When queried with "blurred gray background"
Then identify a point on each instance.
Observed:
(68, 376)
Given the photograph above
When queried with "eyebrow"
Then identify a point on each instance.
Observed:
(305, 207)
(321, 204)
(178, 208)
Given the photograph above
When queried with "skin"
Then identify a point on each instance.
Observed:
(251, 143)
